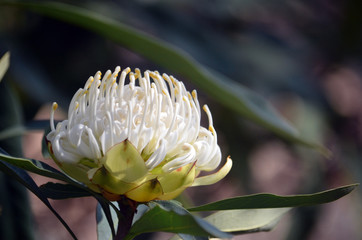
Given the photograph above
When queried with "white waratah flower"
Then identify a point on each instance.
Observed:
(140, 139)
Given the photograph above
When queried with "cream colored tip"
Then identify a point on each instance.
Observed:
(55, 106)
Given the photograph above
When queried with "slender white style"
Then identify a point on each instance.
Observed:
(155, 113)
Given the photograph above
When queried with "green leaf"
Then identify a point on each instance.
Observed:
(14, 199)
(4, 64)
(18, 130)
(242, 221)
(106, 214)
(229, 93)
(44, 169)
(106, 218)
(63, 191)
(23, 177)
(14, 131)
(141, 210)
(167, 216)
(246, 220)
(35, 166)
(16, 166)
(265, 200)
(187, 237)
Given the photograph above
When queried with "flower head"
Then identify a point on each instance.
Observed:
(140, 138)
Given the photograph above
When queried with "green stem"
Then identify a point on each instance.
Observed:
(127, 208)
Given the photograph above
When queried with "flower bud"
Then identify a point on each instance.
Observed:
(139, 137)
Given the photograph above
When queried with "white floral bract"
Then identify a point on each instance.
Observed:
(155, 113)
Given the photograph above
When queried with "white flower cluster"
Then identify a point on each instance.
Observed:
(155, 113)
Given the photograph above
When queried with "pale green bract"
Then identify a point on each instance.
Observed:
(141, 139)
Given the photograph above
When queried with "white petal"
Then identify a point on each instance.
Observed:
(187, 156)
(158, 156)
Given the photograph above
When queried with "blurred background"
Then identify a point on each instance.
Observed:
(304, 57)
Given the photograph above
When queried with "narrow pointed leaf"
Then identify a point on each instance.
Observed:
(265, 200)
(63, 191)
(106, 221)
(167, 216)
(187, 237)
(229, 93)
(18, 130)
(35, 166)
(41, 168)
(4, 64)
(246, 220)
(14, 131)
(23, 177)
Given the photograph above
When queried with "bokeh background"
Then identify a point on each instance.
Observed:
(304, 57)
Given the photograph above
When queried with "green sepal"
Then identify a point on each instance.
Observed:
(183, 176)
(123, 161)
(76, 171)
(105, 180)
(146, 192)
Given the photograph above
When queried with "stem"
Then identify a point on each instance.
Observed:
(127, 208)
